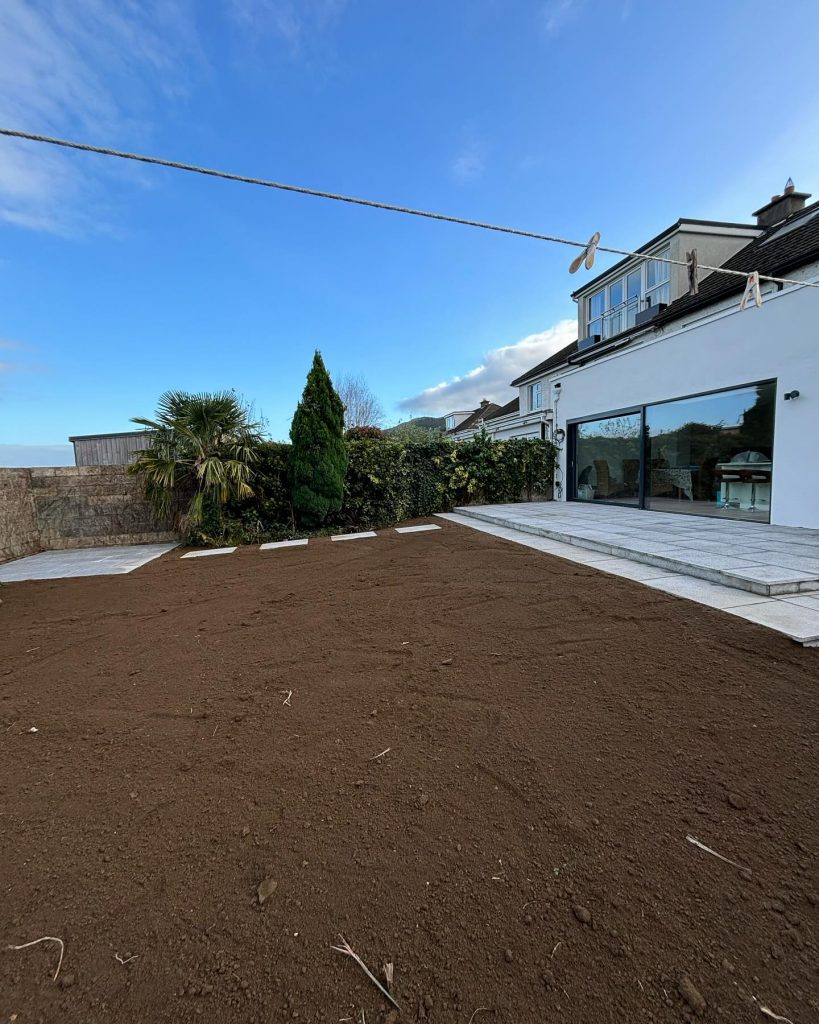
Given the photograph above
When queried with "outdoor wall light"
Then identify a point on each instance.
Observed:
(560, 435)
(790, 394)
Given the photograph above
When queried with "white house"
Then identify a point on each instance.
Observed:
(674, 399)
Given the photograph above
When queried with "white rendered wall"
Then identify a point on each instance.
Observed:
(778, 341)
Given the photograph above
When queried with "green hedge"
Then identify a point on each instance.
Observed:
(388, 480)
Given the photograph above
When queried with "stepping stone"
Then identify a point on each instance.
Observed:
(354, 536)
(283, 544)
(210, 551)
(416, 529)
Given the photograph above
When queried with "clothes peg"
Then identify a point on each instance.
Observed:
(587, 255)
(752, 291)
(693, 272)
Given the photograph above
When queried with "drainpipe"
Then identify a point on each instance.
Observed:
(556, 392)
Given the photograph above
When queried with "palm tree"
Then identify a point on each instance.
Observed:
(201, 454)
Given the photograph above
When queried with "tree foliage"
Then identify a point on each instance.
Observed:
(389, 480)
(318, 459)
(201, 453)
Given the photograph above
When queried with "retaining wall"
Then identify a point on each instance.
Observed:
(74, 507)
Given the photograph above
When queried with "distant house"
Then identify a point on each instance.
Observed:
(108, 449)
(462, 425)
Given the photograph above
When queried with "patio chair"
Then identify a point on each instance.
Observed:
(631, 477)
(606, 486)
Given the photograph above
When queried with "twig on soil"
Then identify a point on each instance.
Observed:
(348, 951)
(46, 938)
(286, 701)
(383, 752)
(127, 960)
(477, 1011)
(388, 973)
(714, 853)
(214, 730)
(772, 1015)
(556, 949)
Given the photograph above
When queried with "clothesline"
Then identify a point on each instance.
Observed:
(587, 255)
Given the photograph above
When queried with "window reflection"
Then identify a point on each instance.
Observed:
(713, 454)
(607, 459)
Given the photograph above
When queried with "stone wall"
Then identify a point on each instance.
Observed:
(74, 507)
(18, 525)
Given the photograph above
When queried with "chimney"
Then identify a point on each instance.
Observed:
(781, 207)
(484, 402)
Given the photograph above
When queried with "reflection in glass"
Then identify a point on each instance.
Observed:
(607, 459)
(713, 454)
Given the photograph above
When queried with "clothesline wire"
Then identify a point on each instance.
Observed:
(375, 204)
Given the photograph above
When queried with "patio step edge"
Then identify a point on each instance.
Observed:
(646, 558)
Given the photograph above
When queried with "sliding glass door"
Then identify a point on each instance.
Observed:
(607, 459)
(712, 454)
(709, 454)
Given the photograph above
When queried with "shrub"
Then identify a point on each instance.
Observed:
(318, 459)
(363, 434)
(389, 480)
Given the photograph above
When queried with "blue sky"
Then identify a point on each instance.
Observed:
(119, 281)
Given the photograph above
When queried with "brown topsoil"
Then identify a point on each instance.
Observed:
(548, 738)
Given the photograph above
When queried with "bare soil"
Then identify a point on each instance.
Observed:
(550, 736)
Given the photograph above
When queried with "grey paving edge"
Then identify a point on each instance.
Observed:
(796, 621)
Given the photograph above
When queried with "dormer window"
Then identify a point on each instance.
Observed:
(450, 422)
(536, 396)
(615, 306)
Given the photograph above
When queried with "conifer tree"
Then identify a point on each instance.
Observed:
(318, 460)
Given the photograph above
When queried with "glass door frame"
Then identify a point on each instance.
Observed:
(634, 410)
(571, 457)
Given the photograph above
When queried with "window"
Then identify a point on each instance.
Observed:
(597, 306)
(708, 455)
(614, 308)
(607, 459)
(658, 280)
(712, 454)
(450, 422)
(535, 395)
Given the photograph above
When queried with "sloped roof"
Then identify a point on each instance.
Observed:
(557, 359)
(505, 410)
(790, 244)
(474, 418)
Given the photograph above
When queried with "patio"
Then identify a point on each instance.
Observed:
(766, 574)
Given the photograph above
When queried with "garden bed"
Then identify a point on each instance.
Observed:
(484, 773)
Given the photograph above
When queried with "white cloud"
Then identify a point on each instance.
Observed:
(87, 68)
(491, 379)
(296, 22)
(557, 14)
